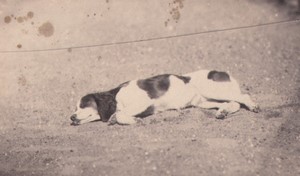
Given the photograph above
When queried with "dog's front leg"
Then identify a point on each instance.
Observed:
(122, 119)
(224, 108)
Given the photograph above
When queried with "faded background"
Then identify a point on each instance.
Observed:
(45, 69)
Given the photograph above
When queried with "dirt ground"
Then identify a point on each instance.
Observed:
(39, 89)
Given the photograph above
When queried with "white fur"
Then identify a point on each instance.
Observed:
(86, 115)
(131, 100)
(199, 92)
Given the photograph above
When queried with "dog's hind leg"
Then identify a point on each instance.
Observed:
(224, 108)
(227, 108)
(246, 100)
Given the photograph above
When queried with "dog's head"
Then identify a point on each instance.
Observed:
(86, 110)
(94, 107)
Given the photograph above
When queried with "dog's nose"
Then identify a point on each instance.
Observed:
(73, 117)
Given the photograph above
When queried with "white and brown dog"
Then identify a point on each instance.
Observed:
(144, 97)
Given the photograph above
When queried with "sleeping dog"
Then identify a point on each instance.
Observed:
(144, 97)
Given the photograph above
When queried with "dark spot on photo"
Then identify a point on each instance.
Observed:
(176, 14)
(7, 19)
(19, 46)
(20, 19)
(30, 14)
(166, 23)
(46, 29)
(22, 80)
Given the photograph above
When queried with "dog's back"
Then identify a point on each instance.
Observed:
(214, 85)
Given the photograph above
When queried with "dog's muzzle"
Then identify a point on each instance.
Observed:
(74, 119)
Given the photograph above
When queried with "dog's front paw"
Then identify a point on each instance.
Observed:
(221, 114)
(127, 121)
(121, 120)
(255, 109)
(112, 120)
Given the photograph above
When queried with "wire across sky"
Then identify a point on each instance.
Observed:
(156, 38)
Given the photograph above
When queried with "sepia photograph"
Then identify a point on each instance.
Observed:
(149, 88)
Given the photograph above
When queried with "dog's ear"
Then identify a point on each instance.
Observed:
(88, 101)
(106, 105)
